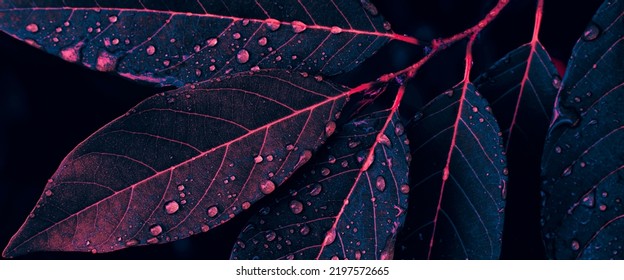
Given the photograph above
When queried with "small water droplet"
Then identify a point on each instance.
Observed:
(589, 200)
(475, 109)
(330, 127)
(353, 144)
(325, 171)
(330, 236)
(242, 56)
(212, 42)
(296, 207)
(336, 30)
(258, 159)
(262, 41)
(267, 187)
(298, 26)
(316, 190)
(556, 82)
(171, 207)
(213, 211)
(331, 159)
(387, 26)
(305, 230)
(48, 193)
(558, 149)
(112, 19)
(32, 28)
(384, 140)
(591, 32)
(198, 72)
(399, 129)
(132, 242)
(155, 230)
(246, 205)
(405, 188)
(269, 158)
(505, 171)
(272, 24)
(380, 183)
(369, 7)
(567, 171)
(166, 63)
(270, 236)
(150, 50)
(212, 68)
(236, 36)
(602, 207)
(153, 240)
(197, 48)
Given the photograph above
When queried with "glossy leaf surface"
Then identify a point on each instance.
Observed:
(469, 210)
(181, 162)
(583, 157)
(522, 97)
(178, 42)
(336, 207)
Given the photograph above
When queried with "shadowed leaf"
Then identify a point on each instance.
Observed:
(469, 210)
(583, 158)
(523, 98)
(181, 162)
(178, 42)
(335, 208)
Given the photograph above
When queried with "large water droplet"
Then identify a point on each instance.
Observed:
(270, 236)
(156, 230)
(296, 207)
(316, 190)
(71, 54)
(303, 158)
(298, 26)
(242, 56)
(405, 189)
(213, 211)
(262, 41)
(384, 140)
(171, 207)
(258, 159)
(106, 62)
(212, 42)
(336, 30)
(150, 50)
(272, 24)
(591, 32)
(32, 28)
(330, 127)
(112, 19)
(267, 187)
(380, 183)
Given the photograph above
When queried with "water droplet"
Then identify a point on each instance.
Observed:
(171, 207)
(405, 189)
(290, 147)
(303, 158)
(156, 230)
(589, 200)
(246, 205)
(325, 171)
(602, 207)
(336, 30)
(575, 245)
(272, 24)
(591, 32)
(298, 26)
(369, 7)
(475, 109)
(353, 144)
(333, 258)
(558, 149)
(71, 54)
(384, 140)
(269, 158)
(166, 63)
(387, 26)
(132, 242)
(270, 236)
(330, 127)
(205, 228)
(258, 159)
(380, 183)
(316, 190)
(331, 159)
(399, 129)
(505, 171)
(236, 36)
(213, 211)
(330, 236)
(556, 82)
(296, 207)
(152, 240)
(242, 56)
(198, 72)
(32, 28)
(262, 41)
(112, 19)
(267, 187)
(106, 62)
(48, 193)
(212, 42)
(567, 171)
(150, 50)
(445, 173)
(305, 230)
(212, 68)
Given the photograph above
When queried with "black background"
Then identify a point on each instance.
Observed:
(47, 106)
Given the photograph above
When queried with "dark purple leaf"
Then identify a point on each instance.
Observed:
(179, 42)
(181, 162)
(583, 158)
(522, 96)
(341, 205)
(455, 213)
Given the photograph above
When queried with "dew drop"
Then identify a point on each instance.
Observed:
(316, 190)
(106, 62)
(269, 158)
(262, 41)
(336, 30)
(150, 50)
(330, 236)
(387, 26)
(198, 72)
(333, 258)
(32, 28)
(236, 36)
(369, 7)
(589, 200)
(298, 26)
(602, 207)
(567, 171)
(166, 63)
(171, 207)
(132, 242)
(353, 144)
(267, 187)
(445, 174)
(475, 109)
(212, 42)
(155, 230)
(591, 32)
(152, 240)
(272, 24)
(48, 193)
(325, 171)
(303, 158)
(197, 48)
(204, 228)
(330, 127)
(212, 68)
(558, 149)
(246, 205)
(331, 159)
(112, 19)
(296, 207)
(575, 245)
(213, 211)
(405, 188)
(242, 56)
(270, 236)
(384, 140)
(380, 183)
(399, 129)
(305, 230)
(556, 82)
(180, 188)
(505, 171)
(71, 54)
(258, 159)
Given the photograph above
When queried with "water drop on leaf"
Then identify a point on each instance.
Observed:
(296, 207)
(380, 183)
(171, 207)
(32, 28)
(298, 26)
(242, 56)
(267, 187)
(156, 230)
(272, 24)
(591, 32)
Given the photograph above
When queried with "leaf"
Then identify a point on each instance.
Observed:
(179, 42)
(337, 207)
(463, 219)
(522, 99)
(583, 157)
(181, 162)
